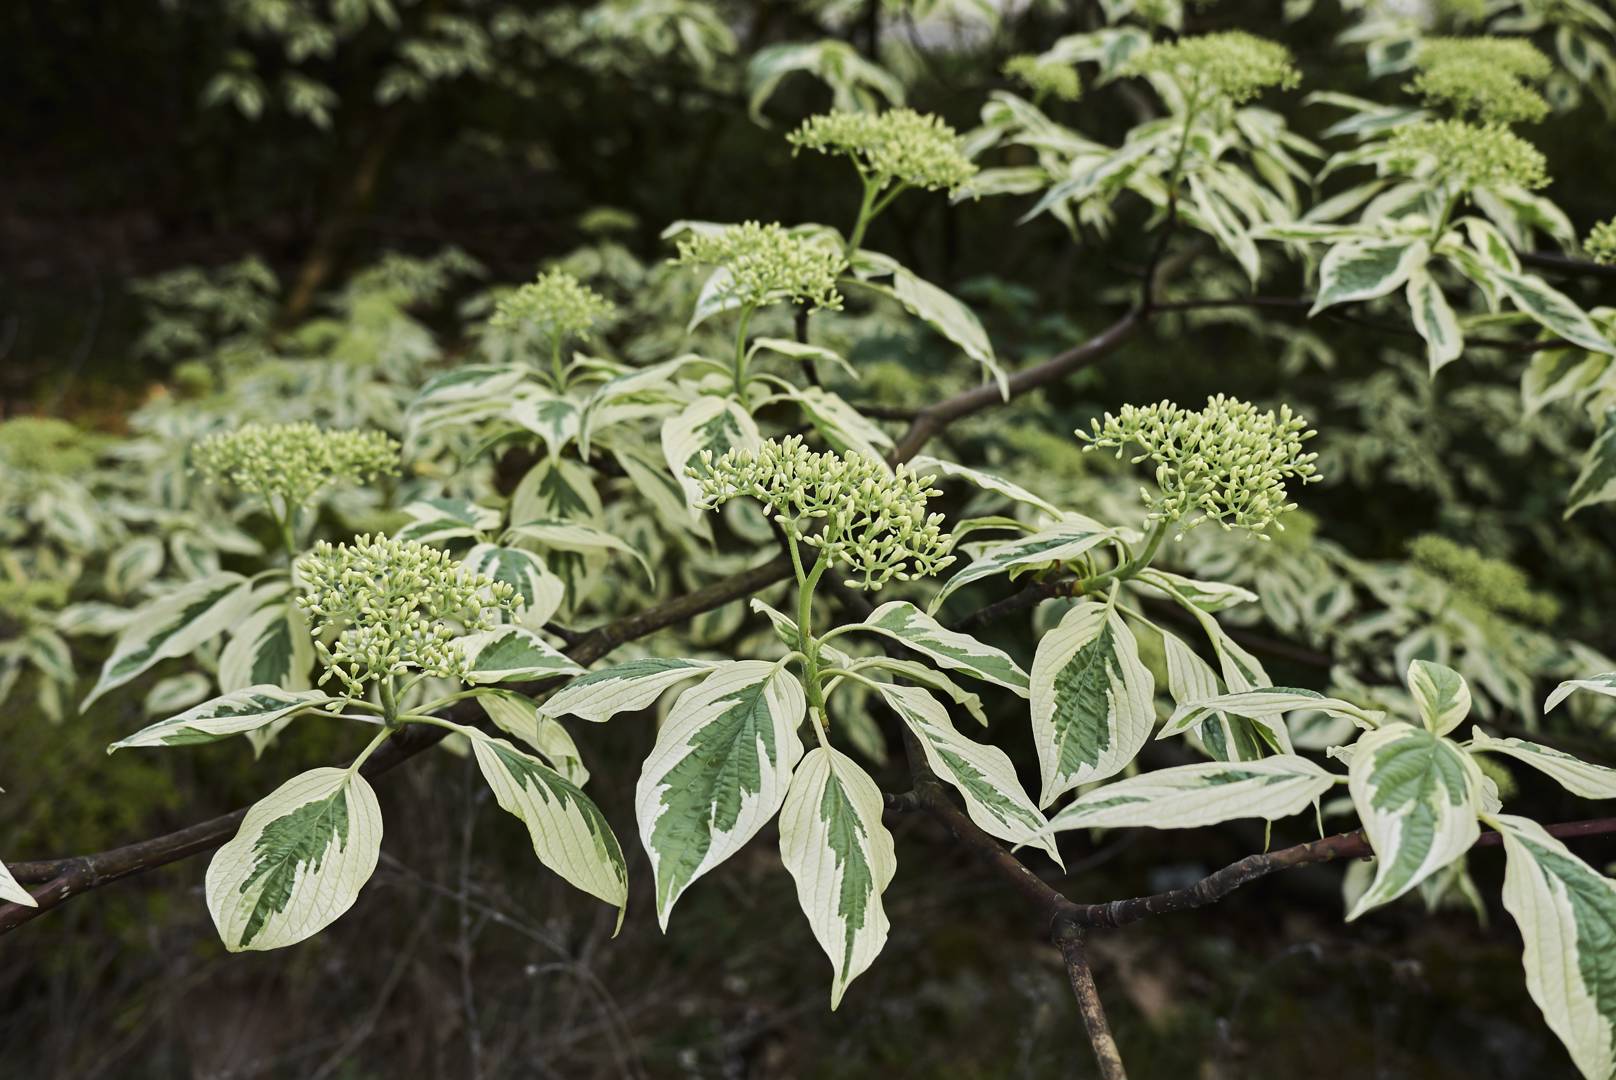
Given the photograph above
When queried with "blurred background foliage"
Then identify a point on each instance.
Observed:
(198, 195)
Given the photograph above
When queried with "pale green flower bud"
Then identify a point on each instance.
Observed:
(1601, 242)
(1485, 76)
(769, 264)
(1231, 67)
(915, 149)
(293, 462)
(1467, 155)
(1045, 78)
(557, 306)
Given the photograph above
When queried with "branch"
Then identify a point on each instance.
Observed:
(1566, 265)
(1069, 940)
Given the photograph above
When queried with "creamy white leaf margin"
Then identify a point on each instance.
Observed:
(598, 696)
(1061, 542)
(298, 862)
(1206, 793)
(1440, 693)
(12, 892)
(511, 653)
(1604, 683)
(1572, 773)
(713, 424)
(229, 714)
(905, 623)
(172, 625)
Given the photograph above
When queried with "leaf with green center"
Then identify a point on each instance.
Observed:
(662, 490)
(712, 424)
(1209, 596)
(570, 835)
(1434, 319)
(133, 565)
(174, 624)
(1554, 311)
(463, 396)
(433, 521)
(938, 309)
(1092, 700)
(1440, 693)
(1418, 795)
(1572, 773)
(1265, 706)
(518, 716)
(843, 427)
(526, 573)
(628, 687)
(842, 859)
(1062, 542)
(984, 775)
(905, 623)
(921, 675)
(512, 654)
(1190, 680)
(1566, 912)
(925, 464)
(298, 862)
(1596, 483)
(229, 714)
(1363, 271)
(576, 536)
(553, 419)
(1190, 796)
(718, 772)
(273, 645)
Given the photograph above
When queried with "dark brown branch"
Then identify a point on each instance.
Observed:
(1565, 264)
(1069, 940)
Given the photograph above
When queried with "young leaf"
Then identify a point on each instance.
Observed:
(298, 862)
(1442, 695)
(1092, 700)
(906, 623)
(1365, 270)
(230, 714)
(13, 893)
(1566, 912)
(718, 772)
(1190, 796)
(1060, 542)
(1418, 796)
(842, 858)
(570, 834)
(1572, 773)
(628, 687)
(984, 775)
(510, 654)
(172, 625)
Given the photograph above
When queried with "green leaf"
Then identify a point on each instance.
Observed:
(1190, 796)
(902, 621)
(298, 862)
(1418, 796)
(1596, 483)
(1441, 694)
(512, 654)
(173, 624)
(540, 590)
(1566, 912)
(984, 775)
(229, 714)
(600, 695)
(718, 772)
(1434, 319)
(710, 424)
(837, 63)
(570, 835)
(1365, 270)
(842, 858)
(1061, 542)
(1092, 700)
(1554, 311)
(1572, 773)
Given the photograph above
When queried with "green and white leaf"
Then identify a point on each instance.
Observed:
(433, 521)
(843, 427)
(1418, 796)
(1566, 912)
(12, 892)
(1206, 793)
(1440, 693)
(718, 772)
(173, 624)
(540, 590)
(518, 715)
(798, 350)
(1265, 706)
(1553, 310)
(229, 714)
(924, 464)
(941, 311)
(1599, 684)
(273, 645)
(842, 859)
(570, 835)
(298, 862)
(577, 536)
(1363, 271)
(628, 687)
(1572, 773)
(1209, 596)
(1061, 542)
(1596, 483)
(176, 692)
(134, 564)
(1434, 319)
(921, 675)
(512, 653)
(903, 622)
(1092, 700)
(710, 424)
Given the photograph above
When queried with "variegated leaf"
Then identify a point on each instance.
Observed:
(1092, 700)
(710, 424)
(921, 675)
(1434, 319)
(1599, 684)
(170, 695)
(1566, 912)
(628, 687)
(1554, 311)
(172, 625)
(1418, 796)
(229, 714)
(718, 772)
(512, 654)
(1190, 680)
(298, 862)
(1266, 706)
(843, 427)
(662, 490)
(570, 835)
(1596, 482)
(463, 395)
(1061, 542)
(272, 646)
(1572, 773)
(540, 590)
(13, 893)
(1209, 596)
(1365, 270)
(134, 564)
(984, 775)
(906, 623)
(924, 464)
(553, 419)
(518, 716)
(1206, 793)
(842, 858)
(433, 521)
(577, 536)
(1440, 693)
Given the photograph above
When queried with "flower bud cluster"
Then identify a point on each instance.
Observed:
(1226, 462)
(557, 306)
(915, 149)
(1492, 583)
(1483, 75)
(1467, 155)
(396, 606)
(293, 461)
(864, 518)
(1232, 66)
(1046, 78)
(768, 264)
(1601, 242)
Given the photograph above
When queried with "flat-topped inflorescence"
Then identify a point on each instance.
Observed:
(396, 606)
(1467, 155)
(901, 146)
(1485, 76)
(293, 462)
(1227, 462)
(1601, 242)
(850, 506)
(1045, 78)
(557, 306)
(769, 264)
(1231, 67)
(1491, 583)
